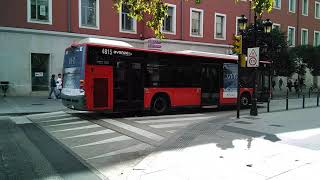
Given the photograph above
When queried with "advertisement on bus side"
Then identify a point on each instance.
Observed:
(230, 80)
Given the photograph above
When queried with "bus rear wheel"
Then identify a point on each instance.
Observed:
(160, 105)
(245, 100)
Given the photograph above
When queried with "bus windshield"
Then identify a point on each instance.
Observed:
(73, 65)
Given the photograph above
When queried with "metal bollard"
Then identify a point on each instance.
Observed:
(303, 101)
(268, 105)
(318, 99)
(309, 92)
(287, 101)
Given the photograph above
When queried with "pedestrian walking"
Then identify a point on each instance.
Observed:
(273, 84)
(59, 85)
(280, 83)
(289, 85)
(296, 85)
(53, 86)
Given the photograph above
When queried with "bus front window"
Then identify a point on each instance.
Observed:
(73, 71)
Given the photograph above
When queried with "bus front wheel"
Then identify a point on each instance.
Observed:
(245, 100)
(160, 105)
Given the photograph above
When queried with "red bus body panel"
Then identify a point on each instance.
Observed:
(226, 101)
(92, 72)
(178, 96)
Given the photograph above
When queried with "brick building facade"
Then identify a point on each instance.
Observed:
(34, 33)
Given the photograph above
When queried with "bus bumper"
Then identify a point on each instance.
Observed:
(74, 102)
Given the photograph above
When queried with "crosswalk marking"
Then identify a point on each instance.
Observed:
(163, 116)
(133, 129)
(51, 114)
(68, 123)
(63, 119)
(174, 119)
(106, 131)
(76, 128)
(170, 125)
(115, 139)
(134, 148)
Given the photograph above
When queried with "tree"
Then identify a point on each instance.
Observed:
(157, 9)
(306, 56)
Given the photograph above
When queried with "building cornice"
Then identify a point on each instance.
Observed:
(76, 35)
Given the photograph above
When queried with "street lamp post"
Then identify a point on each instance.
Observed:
(242, 26)
(267, 27)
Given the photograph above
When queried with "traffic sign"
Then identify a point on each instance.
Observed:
(253, 57)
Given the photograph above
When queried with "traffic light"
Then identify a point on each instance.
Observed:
(237, 44)
(243, 62)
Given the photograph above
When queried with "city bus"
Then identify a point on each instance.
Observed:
(113, 76)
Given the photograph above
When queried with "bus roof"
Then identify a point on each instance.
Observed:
(208, 54)
(114, 43)
(104, 42)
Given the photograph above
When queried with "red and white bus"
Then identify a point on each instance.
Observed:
(106, 75)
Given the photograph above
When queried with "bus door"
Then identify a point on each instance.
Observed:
(128, 86)
(209, 84)
(100, 83)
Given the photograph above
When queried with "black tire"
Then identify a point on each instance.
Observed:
(245, 100)
(160, 105)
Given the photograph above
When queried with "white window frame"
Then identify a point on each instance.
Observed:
(97, 27)
(305, 14)
(276, 24)
(315, 13)
(127, 31)
(201, 22)
(275, 7)
(314, 37)
(237, 18)
(293, 37)
(224, 33)
(295, 6)
(174, 20)
(36, 21)
(307, 37)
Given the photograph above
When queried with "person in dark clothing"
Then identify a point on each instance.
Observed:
(280, 83)
(296, 85)
(273, 84)
(53, 86)
(289, 84)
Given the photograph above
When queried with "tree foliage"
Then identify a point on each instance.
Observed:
(140, 9)
(306, 56)
(156, 10)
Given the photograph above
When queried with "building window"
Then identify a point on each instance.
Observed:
(317, 10)
(169, 22)
(127, 23)
(89, 14)
(304, 36)
(276, 26)
(237, 25)
(316, 38)
(277, 4)
(292, 6)
(291, 36)
(305, 6)
(40, 11)
(220, 26)
(196, 22)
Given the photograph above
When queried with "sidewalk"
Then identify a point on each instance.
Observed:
(29, 105)
(278, 145)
